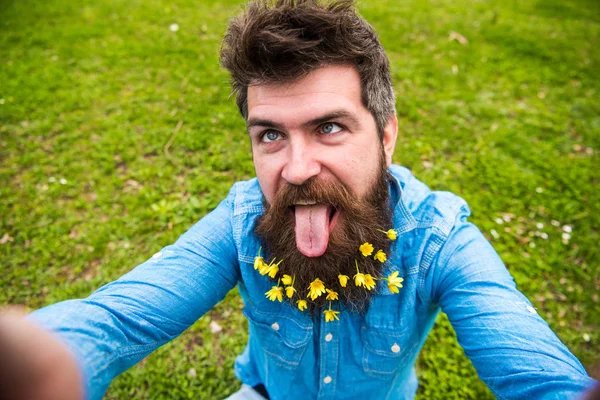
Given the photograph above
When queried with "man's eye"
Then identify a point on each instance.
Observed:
(270, 136)
(330, 127)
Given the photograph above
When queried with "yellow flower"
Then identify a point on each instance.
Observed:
(380, 256)
(343, 280)
(359, 279)
(394, 282)
(316, 288)
(331, 315)
(366, 249)
(286, 280)
(289, 291)
(273, 270)
(391, 233)
(275, 293)
(264, 268)
(369, 282)
(301, 305)
(258, 260)
(331, 295)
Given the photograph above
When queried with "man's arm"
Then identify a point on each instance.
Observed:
(513, 349)
(126, 320)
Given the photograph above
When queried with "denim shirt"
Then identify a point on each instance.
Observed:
(446, 264)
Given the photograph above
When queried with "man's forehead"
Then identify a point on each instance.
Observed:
(327, 90)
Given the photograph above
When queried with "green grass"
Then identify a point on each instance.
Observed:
(92, 92)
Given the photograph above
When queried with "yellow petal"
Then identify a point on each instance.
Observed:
(275, 293)
(392, 234)
(343, 280)
(289, 291)
(273, 270)
(359, 279)
(263, 269)
(331, 315)
(366, 249)
(258, 262)
(301, 305)
(380, 256)
(369, 282)
(331, 295)
(286, 280)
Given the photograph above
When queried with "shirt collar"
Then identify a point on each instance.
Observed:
(403, 219)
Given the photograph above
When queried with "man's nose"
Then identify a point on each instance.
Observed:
(302, 163)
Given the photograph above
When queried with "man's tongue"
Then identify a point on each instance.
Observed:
(312, 229)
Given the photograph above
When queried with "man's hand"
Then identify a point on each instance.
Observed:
(33, 364)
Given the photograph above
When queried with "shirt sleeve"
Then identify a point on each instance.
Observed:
(512, 348)
(126, 320)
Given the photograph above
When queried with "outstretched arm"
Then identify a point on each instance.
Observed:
(513, 349)
(126, 320)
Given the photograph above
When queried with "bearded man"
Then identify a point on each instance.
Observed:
(343, 259)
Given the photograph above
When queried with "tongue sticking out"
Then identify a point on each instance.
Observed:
(312, 229)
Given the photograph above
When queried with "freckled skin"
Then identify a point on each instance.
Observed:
(301, 152)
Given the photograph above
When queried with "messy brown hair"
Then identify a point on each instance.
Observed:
(284, 40)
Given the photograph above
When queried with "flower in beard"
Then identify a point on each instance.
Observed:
(394, 282)
(258, 260)
(301, 305)
(275, 293)
(315, 289)
(273, 270)
(351, 221)
(331, 295)
(390, 233)
(359, 279)
(289, 291)
(287, 280)
(369, 282)
(330, 314)
(366, 249)
(380, 256)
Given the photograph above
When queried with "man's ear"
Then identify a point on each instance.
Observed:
(390, 134)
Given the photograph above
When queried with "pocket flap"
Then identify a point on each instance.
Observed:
(387, 344)
(292, 332)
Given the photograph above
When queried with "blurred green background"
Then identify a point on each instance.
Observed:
(117, 133)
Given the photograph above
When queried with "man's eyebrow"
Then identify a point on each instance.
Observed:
(262, 122)
(252, 122)
(331, 116)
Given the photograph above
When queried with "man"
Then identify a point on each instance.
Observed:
(343, 259)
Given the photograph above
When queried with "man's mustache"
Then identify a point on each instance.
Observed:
(314, 191)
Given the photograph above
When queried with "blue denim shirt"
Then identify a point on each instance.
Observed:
(446, 264)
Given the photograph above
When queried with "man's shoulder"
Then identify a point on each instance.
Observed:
(429, 208)
(246, 196)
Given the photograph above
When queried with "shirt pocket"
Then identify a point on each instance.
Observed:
(282, 337)
(384, 351)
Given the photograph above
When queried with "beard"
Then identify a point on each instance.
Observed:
(357, 221)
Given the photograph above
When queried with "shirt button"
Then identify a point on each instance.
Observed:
(396, 348)
(327, 379)
(275, 326)
(328, 337)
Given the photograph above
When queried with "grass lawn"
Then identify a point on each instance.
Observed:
(117, 133)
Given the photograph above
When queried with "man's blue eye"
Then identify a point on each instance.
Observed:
(270, 136)
(330, 127)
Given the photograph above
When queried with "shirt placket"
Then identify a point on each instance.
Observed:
(329, 343)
